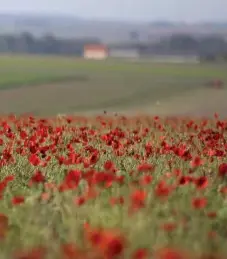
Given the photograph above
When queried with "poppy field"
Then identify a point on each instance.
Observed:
(113, 187)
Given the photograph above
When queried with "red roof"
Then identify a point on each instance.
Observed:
(96, 47)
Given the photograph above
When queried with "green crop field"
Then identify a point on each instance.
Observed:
(51, 85)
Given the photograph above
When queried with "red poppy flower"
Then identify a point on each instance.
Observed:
(212, 214)
(141, 253)
(138, 199)
(196, 162)
(34, 253)
(169, 227)
(222, 170)
(146, 179)
(71, 251)
(201, 182)
(199, 203)
(170, 253)
(163, 190)
(72, 178)
(108, 243)
(145, 168)
(17, 200)
(38, 177)
(34, 160)
(109, 165)
(79, 200)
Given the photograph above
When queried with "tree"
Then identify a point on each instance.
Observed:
(183, 42)
(213, 45)
(3, 44)
(134, 36)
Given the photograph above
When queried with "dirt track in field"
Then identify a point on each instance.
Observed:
(35, 99)
(53, 99)
(199, 103)
(203, 102)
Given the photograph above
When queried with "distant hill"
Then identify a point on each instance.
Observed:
(107, 31)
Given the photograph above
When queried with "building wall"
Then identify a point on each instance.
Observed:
(174, 59)
(95, 54)
(124, 53)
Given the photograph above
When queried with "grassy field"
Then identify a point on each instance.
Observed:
(108, 188)
(51, 85)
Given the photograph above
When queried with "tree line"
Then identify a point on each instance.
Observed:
(47, 44)
(208, 47)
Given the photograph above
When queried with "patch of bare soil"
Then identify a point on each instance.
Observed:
(198, 103)
(38, 99)
(55, 98)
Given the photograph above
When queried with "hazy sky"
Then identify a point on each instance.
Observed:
(177, 10)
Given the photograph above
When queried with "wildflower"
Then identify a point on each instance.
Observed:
(34, 160)
(138, 199)
(222, 170)
(38, 177)
(201, 182)
(146, 179)
(141, 253)
(170, 253)
(196, 162)
(109, 165)
(199, 203)
(145, 168)
(108, 243)
(169, 227)
(17, 200)
(79, 200)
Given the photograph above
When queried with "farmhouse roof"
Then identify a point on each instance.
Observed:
(95, 47)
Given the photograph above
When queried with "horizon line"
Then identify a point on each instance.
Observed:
(107, 19)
